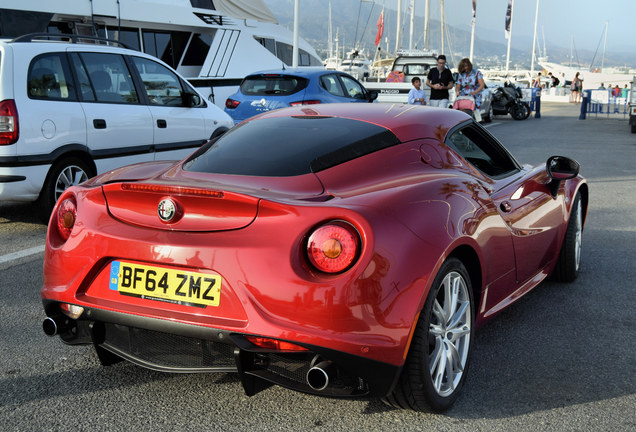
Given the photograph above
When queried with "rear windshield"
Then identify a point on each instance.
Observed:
(268, 85)
(289, 146)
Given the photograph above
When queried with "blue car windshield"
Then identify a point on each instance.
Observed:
(289, 146)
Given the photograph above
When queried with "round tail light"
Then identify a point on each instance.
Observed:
(66, 214)
(333, 247)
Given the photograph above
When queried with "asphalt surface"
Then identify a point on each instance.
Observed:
(561, 359)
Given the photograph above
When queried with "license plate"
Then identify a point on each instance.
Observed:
(168, 285)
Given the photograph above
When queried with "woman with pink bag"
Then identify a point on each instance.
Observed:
(470, 83)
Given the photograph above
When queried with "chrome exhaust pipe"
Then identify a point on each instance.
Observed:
(54, 325)
(318, 377)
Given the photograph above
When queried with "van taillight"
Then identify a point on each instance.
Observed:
(9, 131)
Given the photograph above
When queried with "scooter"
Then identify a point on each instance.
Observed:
(507, 100)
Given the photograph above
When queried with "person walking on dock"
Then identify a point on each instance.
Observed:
(440, 80)
(577, 88)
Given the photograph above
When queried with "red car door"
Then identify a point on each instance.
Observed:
(534, 217)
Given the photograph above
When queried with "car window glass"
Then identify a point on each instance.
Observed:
(261, 85)
(331, 84)
(294, 146)
(162, 85)
(110, 78)
(416, 69)
(49, 78)
(483, 153)
(86, 90)
(352, 87)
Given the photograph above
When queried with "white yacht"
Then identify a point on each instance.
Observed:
(213, 43)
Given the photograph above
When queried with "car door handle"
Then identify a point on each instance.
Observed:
(505, 206)
(162, 123)
(99, 123)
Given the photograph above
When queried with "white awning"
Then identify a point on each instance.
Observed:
(246, 9)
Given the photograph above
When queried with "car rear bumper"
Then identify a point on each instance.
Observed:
(21, 183)
(171, 346)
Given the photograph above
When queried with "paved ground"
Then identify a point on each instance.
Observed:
(561, 359)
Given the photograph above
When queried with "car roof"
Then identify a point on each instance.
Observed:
(304, 72)
(407, 122)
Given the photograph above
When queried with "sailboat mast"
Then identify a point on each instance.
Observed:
(330, 33)
(604, 45)
(399, 24)
(534, 39)
(545, 51)
(441, 5)
(472, 32)
(426, 15)
(412, 6)
(512, 9)
(295, 46)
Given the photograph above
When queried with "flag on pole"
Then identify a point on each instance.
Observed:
(378, 36)
(472, 22)
(508, 18)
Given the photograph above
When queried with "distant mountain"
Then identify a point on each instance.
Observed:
(355, 24)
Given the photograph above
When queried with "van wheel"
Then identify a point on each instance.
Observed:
(64, 174)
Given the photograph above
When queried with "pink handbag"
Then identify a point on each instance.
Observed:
(464, 103)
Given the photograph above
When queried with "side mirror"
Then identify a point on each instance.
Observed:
(373, 95)
(190, 99)
(560, 168)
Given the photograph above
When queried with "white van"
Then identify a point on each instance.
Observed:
(74, 106)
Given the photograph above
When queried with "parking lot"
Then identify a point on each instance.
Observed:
(561, 359)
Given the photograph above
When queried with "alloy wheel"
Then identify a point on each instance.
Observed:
(449, 334)
(70, 176)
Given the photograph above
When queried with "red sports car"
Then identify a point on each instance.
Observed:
(340, 250)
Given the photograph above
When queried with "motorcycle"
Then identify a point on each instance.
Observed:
(507, 100)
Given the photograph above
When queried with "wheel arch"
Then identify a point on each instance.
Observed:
(73, 150)
(218, 132)
(469, 257)
(585, 198)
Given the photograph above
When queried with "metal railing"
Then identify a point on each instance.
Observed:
(603, 102)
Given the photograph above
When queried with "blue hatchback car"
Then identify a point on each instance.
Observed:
(270, 90)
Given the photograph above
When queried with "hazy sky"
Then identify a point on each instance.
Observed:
(584, 20)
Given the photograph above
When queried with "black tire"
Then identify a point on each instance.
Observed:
(519, 111)
(416, 388)
(64, 173)
(633, 128)
(527, 109)
(488, 117)
(569, 261)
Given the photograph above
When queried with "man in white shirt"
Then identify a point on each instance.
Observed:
(417, 96)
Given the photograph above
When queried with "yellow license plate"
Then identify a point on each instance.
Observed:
(168, 285)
